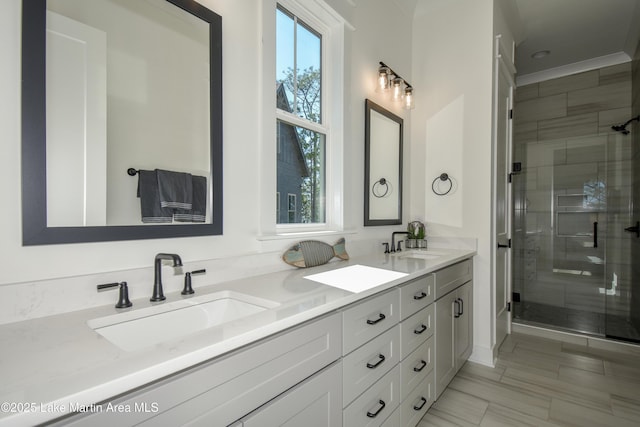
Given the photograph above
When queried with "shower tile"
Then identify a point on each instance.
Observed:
(538, 200)
(608, 118)
(615, 74)
(525, 131)
(543, 153)
(573, 176)
(545, 175)
(566, 84)
(547, 293)
(569, 126)
(616, 95)
(524, 93)
(548, 107)
(586, 150)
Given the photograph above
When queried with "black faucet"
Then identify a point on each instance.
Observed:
(393, 237)
(158, 295)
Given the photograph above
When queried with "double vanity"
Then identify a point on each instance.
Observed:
(275, 349)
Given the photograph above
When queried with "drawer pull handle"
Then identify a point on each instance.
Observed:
(424, 402)
(381, 359)
(379, 319)
(422, 295)
(421, 330)
(421, 367)
(375, 414)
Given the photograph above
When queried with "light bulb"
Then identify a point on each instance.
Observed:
(383, 79)
(397, 89)
(408, 99)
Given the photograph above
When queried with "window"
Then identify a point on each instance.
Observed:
(304, 57)
(301, 130)
(292, 208)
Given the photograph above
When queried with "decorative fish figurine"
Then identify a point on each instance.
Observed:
(310, 253)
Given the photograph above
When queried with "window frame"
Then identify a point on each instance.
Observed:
(322, 19)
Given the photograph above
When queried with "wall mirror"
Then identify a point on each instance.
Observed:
(383, 166)
(109, 85)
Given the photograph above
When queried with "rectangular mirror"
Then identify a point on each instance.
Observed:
(383, 166)
(110, 85)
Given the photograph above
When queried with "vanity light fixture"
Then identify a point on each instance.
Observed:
(401, 90)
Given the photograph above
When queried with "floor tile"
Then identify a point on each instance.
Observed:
(572, 414)
(544, 382)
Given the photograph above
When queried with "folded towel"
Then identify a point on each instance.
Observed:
(150, 208)
(175, 189)
(198, 212)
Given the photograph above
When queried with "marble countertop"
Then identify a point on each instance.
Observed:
(53, 365)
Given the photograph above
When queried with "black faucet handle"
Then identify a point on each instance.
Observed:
(123, 294)
(188, 289)
(386, 247)
(399, 248)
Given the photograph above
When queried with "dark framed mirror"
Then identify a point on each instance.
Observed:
(383, 166)
(174, 117)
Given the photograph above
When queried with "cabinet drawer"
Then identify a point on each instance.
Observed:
(376, 404)
(413, 408)
(416, 329)
(368, 319)
(225, 389)
(393, 420)
(416, 366)
(416, 295)
(316, 402)
(453, 276)
(369, 363)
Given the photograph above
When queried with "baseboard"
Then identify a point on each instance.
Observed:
(483, 356)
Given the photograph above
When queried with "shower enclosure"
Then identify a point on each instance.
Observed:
(572, 265)
(573, 219)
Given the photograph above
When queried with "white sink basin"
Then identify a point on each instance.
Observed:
(420, 254)
(137, 329)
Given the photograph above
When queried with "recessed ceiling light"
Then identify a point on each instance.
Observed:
(540, 54)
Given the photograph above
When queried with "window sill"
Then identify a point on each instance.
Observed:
(304, 234)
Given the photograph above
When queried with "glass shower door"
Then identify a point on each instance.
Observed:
(572, 270)
(622, 287)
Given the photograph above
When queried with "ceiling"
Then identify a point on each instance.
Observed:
(573, 31)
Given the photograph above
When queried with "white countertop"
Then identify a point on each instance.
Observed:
(50, 365)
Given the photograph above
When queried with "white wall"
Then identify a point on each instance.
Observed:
(451, 132)
(241, 20)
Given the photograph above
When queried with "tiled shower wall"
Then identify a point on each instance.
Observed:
(635, 243)
(562, 131)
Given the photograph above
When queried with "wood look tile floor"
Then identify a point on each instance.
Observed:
(543, 382)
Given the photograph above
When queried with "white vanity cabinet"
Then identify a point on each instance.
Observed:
(220, 392)
(371, 352)
(316, 402)
(416, 368)
(454, 321)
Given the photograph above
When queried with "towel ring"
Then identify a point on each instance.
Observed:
(443, 177)
(381, 182)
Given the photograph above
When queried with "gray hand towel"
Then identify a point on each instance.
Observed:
(150, 208)
(175, 189)
(198, 212)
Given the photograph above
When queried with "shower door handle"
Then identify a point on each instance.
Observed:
(595, 234)
(634, 229)
(508, 245)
